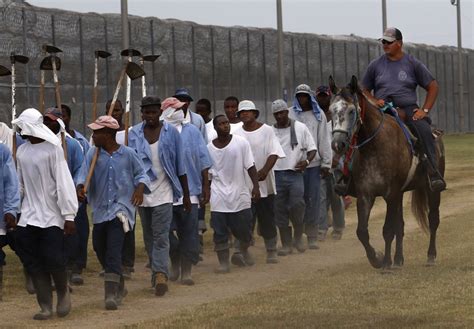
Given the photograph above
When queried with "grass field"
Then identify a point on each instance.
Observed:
(334, 287)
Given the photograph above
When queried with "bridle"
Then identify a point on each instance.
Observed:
(357, 123)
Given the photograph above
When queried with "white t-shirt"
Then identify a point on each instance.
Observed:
(263, 143)
(299, 152)
(230, 191)
(47, 190)
(161, 189)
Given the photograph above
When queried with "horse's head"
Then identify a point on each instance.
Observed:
(345, 112)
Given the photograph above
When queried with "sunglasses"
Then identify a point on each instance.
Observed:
(385, 42)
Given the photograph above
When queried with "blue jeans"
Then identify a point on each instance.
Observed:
(239, 223)
(289, 200)
(312, 181)
(107, 240)
(156, 222)
(185, 242)
(329, 198)
(41, 249)
(263, 212)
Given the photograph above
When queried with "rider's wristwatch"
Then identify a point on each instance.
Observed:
(426, 111)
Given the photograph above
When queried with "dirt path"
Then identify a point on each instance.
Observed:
(141, 304)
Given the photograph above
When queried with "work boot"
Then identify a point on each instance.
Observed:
(76, 279)
(244, 250)
(285, 236)
(44, 295)
(63, 306)
(29, 286)
(223, 257)
(161, 284)
(321, 235)
(312, 243)
(122, 291)
(238, 259)
(111, 287)
(270, 245)
(175, 263)
(127, 272)
(298, 239)
(336, 234)
(186, 267)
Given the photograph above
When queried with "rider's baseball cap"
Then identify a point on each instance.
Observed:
(391, 34)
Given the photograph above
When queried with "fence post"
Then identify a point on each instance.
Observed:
(83, 91)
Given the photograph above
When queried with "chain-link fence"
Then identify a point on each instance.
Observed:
(213, 62)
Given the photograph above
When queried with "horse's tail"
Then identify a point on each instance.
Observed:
(420, 207)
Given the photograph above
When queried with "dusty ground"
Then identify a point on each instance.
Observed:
(141, 304)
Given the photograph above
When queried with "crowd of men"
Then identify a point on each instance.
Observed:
(259, 180)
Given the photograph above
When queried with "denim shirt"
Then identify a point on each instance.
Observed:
(112, 185)
(75, 158)
(9, 189)
(170, 152)
(196, 157)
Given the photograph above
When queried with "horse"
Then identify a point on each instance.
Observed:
(383, 165)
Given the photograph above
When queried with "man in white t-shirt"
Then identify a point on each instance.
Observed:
(231, 195)
(266, 150)
(300, 150)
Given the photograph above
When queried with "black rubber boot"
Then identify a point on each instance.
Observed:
(122, 291)
(223, 257)
(44, 295)
(271, 246)
(175, 268)
(244, 250)
(298, 238)
(111, 287)
(286, 246)
(63, 306)
(186, 267)
(29, 286)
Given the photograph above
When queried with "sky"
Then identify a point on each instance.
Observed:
(430, 22)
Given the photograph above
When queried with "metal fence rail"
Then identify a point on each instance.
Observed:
(213, 62)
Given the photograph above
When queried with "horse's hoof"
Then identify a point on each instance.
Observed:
(431, 261)
(397, 267)
(377, 261)
(387, 270)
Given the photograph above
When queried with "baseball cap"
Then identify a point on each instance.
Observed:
(183, 93)
(53, 113)
(172, 102)
(279, 105)
(323, 90)
(150, 100)
(391, 34)
(247, 105)
(104, 121)
(303, 89)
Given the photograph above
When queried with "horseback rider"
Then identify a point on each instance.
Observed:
(394, 77)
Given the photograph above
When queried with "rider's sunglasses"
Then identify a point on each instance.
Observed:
(385, 42)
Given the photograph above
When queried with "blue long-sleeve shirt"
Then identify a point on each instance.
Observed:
(196, 157)
(9, 189)
(112, 185)
(170, 152)
(75, 158)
